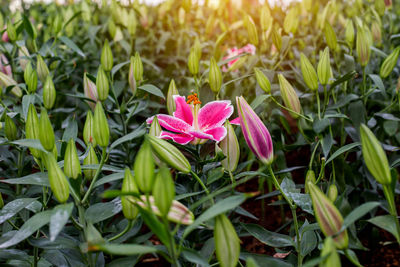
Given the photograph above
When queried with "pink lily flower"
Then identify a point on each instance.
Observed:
(5, 67)
(193, 124)
(233, 52)
(254, 131)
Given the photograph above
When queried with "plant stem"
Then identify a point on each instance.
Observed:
(103, 157)
(202, 185)
(127, 228)
(319, 105)
(392, 208)
(313, 154)
(364, 84)
(290, 110)
(326, 99)
(322, 171)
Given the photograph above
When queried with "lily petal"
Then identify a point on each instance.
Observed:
(182, 139)
(172, 124)
(235, 121)
(214, 114)
(201, 135)
(218, 133)
(183, 110)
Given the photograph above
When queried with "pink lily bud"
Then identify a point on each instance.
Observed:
(255, 133)
(5, 37)
(90, 90)
(5, 67)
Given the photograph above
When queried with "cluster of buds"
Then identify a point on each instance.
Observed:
(135, 72)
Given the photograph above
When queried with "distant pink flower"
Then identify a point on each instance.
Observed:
(5, 66)
(4, 37)
(233, 52)
(193, 124)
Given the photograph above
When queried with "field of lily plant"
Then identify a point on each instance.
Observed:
(215, 133)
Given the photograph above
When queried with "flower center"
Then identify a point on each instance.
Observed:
(195, 107)
(193, 99)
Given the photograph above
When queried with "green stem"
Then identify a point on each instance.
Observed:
(127, 228)
(313, 154)
(202, 185)
(322, 171)
(20, 163)
(392, 208)
(290, 110)
(232, 180)
(364, 85)
(326, 99)
(96, 176)
(319, 105)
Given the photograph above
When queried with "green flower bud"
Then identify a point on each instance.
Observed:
(144, 168)
(215, 76)
(102, 84)
(131, 78)
(265, 18)
(49, 93)
(112, 29)
(41, 68)
(333, 260)
(129, 209)
(155, 128)
(24, 56)
(262, 80)
(332, 192)
(363, 46)
(7, 81)
(32, 128)
(169, 154)
(11, 31)
(58, 182)
(197, 48)
(291, 21)
(376, 33)
(88, 130)
(46, 133)
(31, 78)
(328, 216)
(10, 129)
(172, 90)
(101, 132)
(230, 148)
(374, 157)
(389, 63)
(227, 243)
(164, 191)
(310, 177)
(57, 24)
(132, 23)
(309, 74)
(330, 36)
(1, 198)
(106, 57)
(324, 67)
(72, 166)
(349, 33)
(289, 96)
(193, 62)
(91, 159)
(276, 39)
(138, 68)
(380, 7)
(251, 30)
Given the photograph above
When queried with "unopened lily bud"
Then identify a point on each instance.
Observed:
(363, 46)
(57, 24)
(328, 217)
(265, 18)
(289, 96)
(88, 130)
(5, 66)
(193, 62)
(46, 133)
(330, 36)
(169, 154)
(138, 67)
(276, 38)
(215, 76)
(1, 201)
(58, 182)
(197, 48)
(389, 63)
(251, 30)
(172, 90)
(31, 78)
(49, 93)
(291, 21)
(227, 243)
(230, 148)
(112, 29)
(329, 251)
(324, 67)
(376, 33)
(349, 33)
(374, 156)
(131, 76)
(332, 192)
(101, 130)
(72, 166)
(144, 168)
(262, 81)
(41, 68)
(7, 81)
(10, 129)
(155, 127)
(309, 74)
(388, 4)
(32, 128)
(90, 90)
(106, 57)
(181, 16)
(91, 159)
(164, 191)
(129, 209)
(102, 84)
(11, 31)
(132, 23)
(310, 177)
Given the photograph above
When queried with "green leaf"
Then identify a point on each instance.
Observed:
(320, 125)
(378, 82)
(38, 178)
(26, 100)
(359, 212)
(71, 131)
(155, 225)
(152, 90)
(101, 211)
(220, 207)
(327, 143)
(135, 134)
(30, 226)
(308, 243)
(32, 143)
(350, 75)
(13, 207)
(390, 127)
(194, 257)
(258, 101)
(342, 150)
(264, 260)
(72, 45)
(303, 201)
(28, 27)
(267, 237)
(118, 67)
(109, 178)
(59, 218)
(387, 223)
(125, 249)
